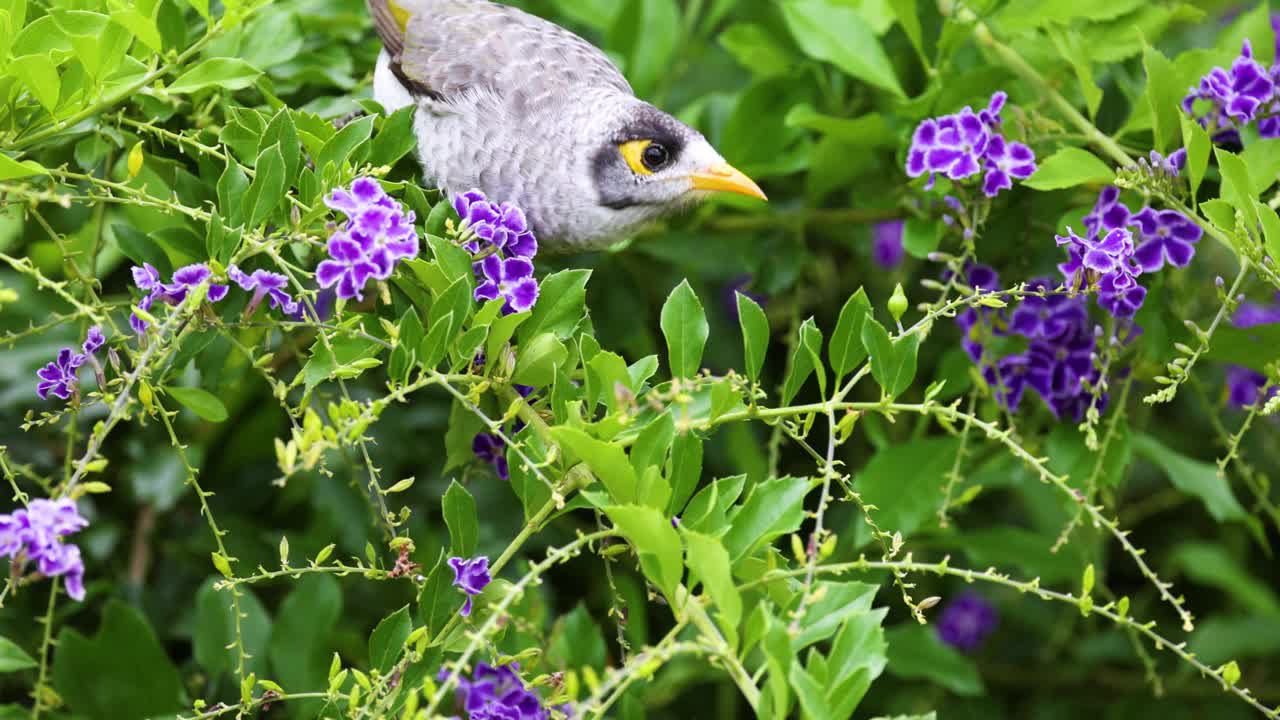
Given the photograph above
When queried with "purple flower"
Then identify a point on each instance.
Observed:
(379, 233)
(1105, 255)
(991, 115)
(1006, 161)
(93, 341)
(1108, 213)
(1123, 303)
(510, 279)
(1253, 314)
(59, 378)
(34, 534)
(474, 208)
(491, 449)
(967, 621)
(1244, 387)
(1234, 97)
(1008, 377)
(1167, 235)
(348, 267)
(887, 249)
(1058, 369)
(470, 576)
(502, 226)
(952, 145)
(1049, 317)
(498, 693)
(263, 283)
(1169, 166)
(189, 277)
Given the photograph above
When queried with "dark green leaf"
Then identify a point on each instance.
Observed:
(755, 334)
(267, 189)
(387, 640)
(460, 515)
(846, 350)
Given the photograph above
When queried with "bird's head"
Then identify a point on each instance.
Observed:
(648, 160)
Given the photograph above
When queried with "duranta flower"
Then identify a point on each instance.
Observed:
(471, 577)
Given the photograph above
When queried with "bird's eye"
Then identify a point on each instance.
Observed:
(645, 157)
(656, 157)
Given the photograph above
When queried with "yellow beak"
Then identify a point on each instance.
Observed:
(726, 178)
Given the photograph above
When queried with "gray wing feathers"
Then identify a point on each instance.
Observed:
(455, 45)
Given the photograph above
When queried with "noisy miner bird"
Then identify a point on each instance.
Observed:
(532, 114)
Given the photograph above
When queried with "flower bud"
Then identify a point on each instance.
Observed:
(135, 160)
(898, 303)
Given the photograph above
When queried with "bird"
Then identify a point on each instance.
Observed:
(531, 114)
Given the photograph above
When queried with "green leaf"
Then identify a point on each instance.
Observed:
(1070, 44)
(538, 359)
(1070, 167)
(774, 508)
(577, 641)
(684, 324)
(436, 343)
(846, 350)
(805, 361)
(282, 133)
(1194, 477)
(904, 482)
(1236, 187)
(1263, 160)
(653, 443)
(40, 76)
(1270, 228)
(709, 563)
(201, 402)
(396, 138)
(607, 461)
(1196, 140)
(561, 304)
(655, 541)
(1163, 95)
(893, 363)
(11, 169)
(388, 638)
(301, 641)
(1213, 565)
(267, 189)
(121, 672)
(755, 335)
(909, 18)
(832, 32)
(460, 515)
(13, 658)
(222, 72)
(686, 470)
(921, 236)
(915, 652)
(231, 189)
(340, 147)
(214, 629)
(648, 54)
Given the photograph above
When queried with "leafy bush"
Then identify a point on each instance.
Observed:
(975, 418)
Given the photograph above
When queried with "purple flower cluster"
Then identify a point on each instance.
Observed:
(147, 278)
(61, 378)
(967, 621)
(1226, 100)
(491, 449)
(965, 144)
(470, 576)
(1107, 254)
(35, 533)
(498, 693)
(378, 234)
(1058, 363)
(504, 229)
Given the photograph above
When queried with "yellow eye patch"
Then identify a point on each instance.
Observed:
(633, 153)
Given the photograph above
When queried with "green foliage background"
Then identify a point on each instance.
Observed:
(816, 99)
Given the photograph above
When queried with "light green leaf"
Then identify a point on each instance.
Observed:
(1196, 140)
(709, 563)
(657, 543)
(13, 657)
(1194, 477)
(846, 350)
(755, 334)
(11, 169)
(40, 76)
(1070, 167)
(805, 361)
(835, 33)
(1236, 187)
(774, 508)
(560, 307)
(201, 402)
(607, 461)
(538, 359)
(267, 189)
(1163, 95)
(387, 640)
(684, 324)
(461, 518)
(893, 363)
(223, 72)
